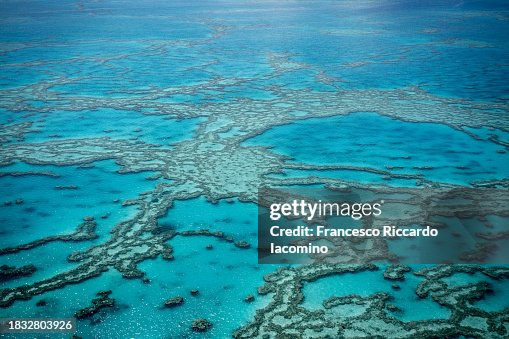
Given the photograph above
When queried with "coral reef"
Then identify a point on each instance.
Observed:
(396, 272)
(173, 302)
(285, 317)
(249, 298)
(218, 165)
(102, 301)
(84, 231)
(201, 325)
(11, 272)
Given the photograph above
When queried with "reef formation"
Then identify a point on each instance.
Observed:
(218, 164)
(285, 317)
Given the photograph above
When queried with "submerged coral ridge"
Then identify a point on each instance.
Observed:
(85, 231)
(285, 316)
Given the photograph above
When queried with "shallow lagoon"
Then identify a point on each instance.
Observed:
(48, 210)
(373, 141)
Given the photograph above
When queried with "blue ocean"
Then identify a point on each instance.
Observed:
(135, 136)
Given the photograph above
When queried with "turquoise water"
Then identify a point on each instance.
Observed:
(234, 217)
(377, 142)
(364, 284)
(188, 76)
(47, 210)
(114, 124)
(226, 276)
